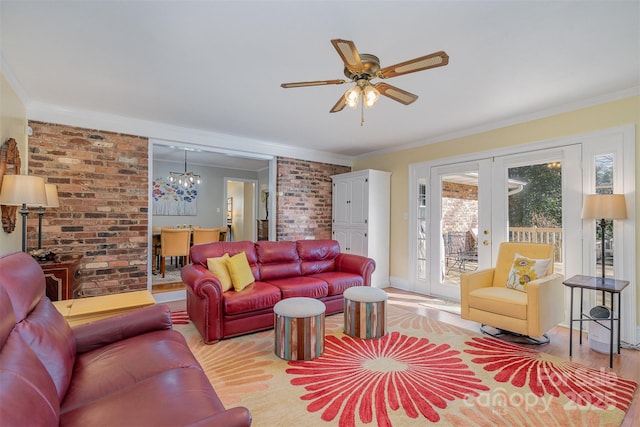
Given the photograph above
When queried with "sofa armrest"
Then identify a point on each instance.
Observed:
(106, 331)
(356, 264)
(232, 417)
(471, 281)
(545, 303)
(197, 278)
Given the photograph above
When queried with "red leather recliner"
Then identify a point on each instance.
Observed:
(129, 370)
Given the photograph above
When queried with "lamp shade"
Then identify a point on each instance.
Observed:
(52, 196)
(604, 206)
(23, 189)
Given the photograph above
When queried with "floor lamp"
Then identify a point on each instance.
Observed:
(603, 207)
(52, 202)
(23, 191)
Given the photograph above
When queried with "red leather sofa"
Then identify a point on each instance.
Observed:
(130, 370)
(285, 269)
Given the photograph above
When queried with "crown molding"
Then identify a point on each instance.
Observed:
(8, 73)
(161, 131)
(515, 120)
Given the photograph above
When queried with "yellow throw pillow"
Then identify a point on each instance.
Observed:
(218, 266)
(240, 272)
(525, 270)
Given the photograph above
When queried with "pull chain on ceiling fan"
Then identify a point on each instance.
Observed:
(362, 68)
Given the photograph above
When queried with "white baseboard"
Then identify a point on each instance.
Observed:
(163, 297)
(400, 283)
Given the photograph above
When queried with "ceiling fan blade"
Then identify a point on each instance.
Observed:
(395, 93)
(349, 54)
(434, 60)
(315, 83)
(342, 102)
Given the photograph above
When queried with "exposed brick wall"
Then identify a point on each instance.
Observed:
(459, 207)
(102, 180)
(304, 208)
(103, 186)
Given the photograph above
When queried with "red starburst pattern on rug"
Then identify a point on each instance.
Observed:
(364, 379)
(524, 367)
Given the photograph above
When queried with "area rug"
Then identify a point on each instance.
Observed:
(423, 372)
(179, 317)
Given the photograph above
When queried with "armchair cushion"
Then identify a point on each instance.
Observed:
(504, 301)
(524, 270)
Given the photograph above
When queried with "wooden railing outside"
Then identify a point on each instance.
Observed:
(538, 235)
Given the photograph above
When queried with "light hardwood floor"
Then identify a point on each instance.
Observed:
(627, 364)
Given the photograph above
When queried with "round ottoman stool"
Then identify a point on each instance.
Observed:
(299, 328)
(365, 312)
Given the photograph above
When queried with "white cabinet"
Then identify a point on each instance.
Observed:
(361, 217)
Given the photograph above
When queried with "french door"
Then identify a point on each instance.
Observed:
(465, 209)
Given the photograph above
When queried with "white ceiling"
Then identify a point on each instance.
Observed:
(216, 66)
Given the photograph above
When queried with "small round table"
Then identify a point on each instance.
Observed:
(299, 328)
(365, 312)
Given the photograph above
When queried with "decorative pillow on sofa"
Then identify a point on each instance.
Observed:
(240, 272)
(218, 266)
(524, 270)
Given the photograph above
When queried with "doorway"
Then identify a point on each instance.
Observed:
(531, 193)
(241, 209)
(475, 205)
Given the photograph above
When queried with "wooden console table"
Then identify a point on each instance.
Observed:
(84, 310)
(62, 277)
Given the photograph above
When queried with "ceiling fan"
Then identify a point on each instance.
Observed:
(362, 68)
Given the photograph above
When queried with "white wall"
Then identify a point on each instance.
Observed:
(13, 124)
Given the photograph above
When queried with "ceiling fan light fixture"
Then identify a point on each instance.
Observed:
(352, 96)
(371, 96)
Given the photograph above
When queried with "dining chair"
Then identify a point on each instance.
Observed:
(205, 235)
(174, 243)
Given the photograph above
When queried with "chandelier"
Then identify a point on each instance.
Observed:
(185, 179)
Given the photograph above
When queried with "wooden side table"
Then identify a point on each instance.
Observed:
(62, 277)
(611, 286)
(84, 310)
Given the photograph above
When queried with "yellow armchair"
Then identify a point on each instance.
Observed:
(485, 297)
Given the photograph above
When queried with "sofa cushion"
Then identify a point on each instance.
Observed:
(257, 296)
(317, 256)
(303, 286)
(50, 337)
(498, 300)
(338, 281)
(179, 396)
(278, 259)
(25, 387)
(37, 321)
(124, 363)
(218, 266)
(240, 272)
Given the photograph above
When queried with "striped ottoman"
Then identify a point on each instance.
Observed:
(299, 328)
(365, 312)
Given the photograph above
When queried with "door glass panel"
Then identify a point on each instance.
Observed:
(459, 225)
(422, 228)
(604, 185)
(535, 206)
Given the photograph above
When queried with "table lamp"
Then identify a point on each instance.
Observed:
(23, 191)
(52, 202)
(603, 207)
